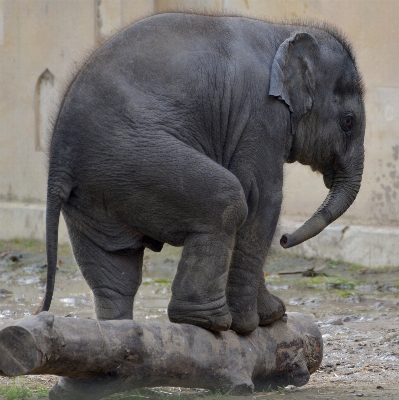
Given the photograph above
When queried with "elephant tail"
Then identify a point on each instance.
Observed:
(55, 199)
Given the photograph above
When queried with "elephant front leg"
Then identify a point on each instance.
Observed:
(249, 301)
(198, 290)
(242, 291)
(269, 307)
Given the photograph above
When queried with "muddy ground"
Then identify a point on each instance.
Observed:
(356, 308)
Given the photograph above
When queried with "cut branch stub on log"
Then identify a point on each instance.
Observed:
(98, 358)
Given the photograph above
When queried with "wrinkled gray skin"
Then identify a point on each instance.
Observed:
(176, 131)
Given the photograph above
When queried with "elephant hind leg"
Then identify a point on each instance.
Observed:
(113, 276)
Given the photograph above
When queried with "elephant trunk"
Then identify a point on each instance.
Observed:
(343, 192)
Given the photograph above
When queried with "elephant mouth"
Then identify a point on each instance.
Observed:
(328, 178)
(330, 166)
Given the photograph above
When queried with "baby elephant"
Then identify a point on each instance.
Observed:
(176, 131)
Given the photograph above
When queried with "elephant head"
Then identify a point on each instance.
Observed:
(317, 78)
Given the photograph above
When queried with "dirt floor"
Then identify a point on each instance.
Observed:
(356, 309)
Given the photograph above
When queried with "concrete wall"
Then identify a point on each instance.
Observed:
(42, 40)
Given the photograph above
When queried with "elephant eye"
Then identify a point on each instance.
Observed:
(347, 122)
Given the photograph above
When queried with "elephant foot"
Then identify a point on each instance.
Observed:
(244, 322)
(241, 300)
(214, 316)
(270, 308)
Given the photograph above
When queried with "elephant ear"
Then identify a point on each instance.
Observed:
(292, 77)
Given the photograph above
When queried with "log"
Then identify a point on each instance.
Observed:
(97, 358)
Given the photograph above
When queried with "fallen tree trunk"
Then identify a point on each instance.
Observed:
(98, 358)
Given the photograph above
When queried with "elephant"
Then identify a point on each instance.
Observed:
(175, 131)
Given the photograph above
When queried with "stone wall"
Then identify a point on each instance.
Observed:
(42, 42)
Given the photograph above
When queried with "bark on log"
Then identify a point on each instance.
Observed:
(98, 358)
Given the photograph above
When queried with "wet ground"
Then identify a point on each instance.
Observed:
(356, 308)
